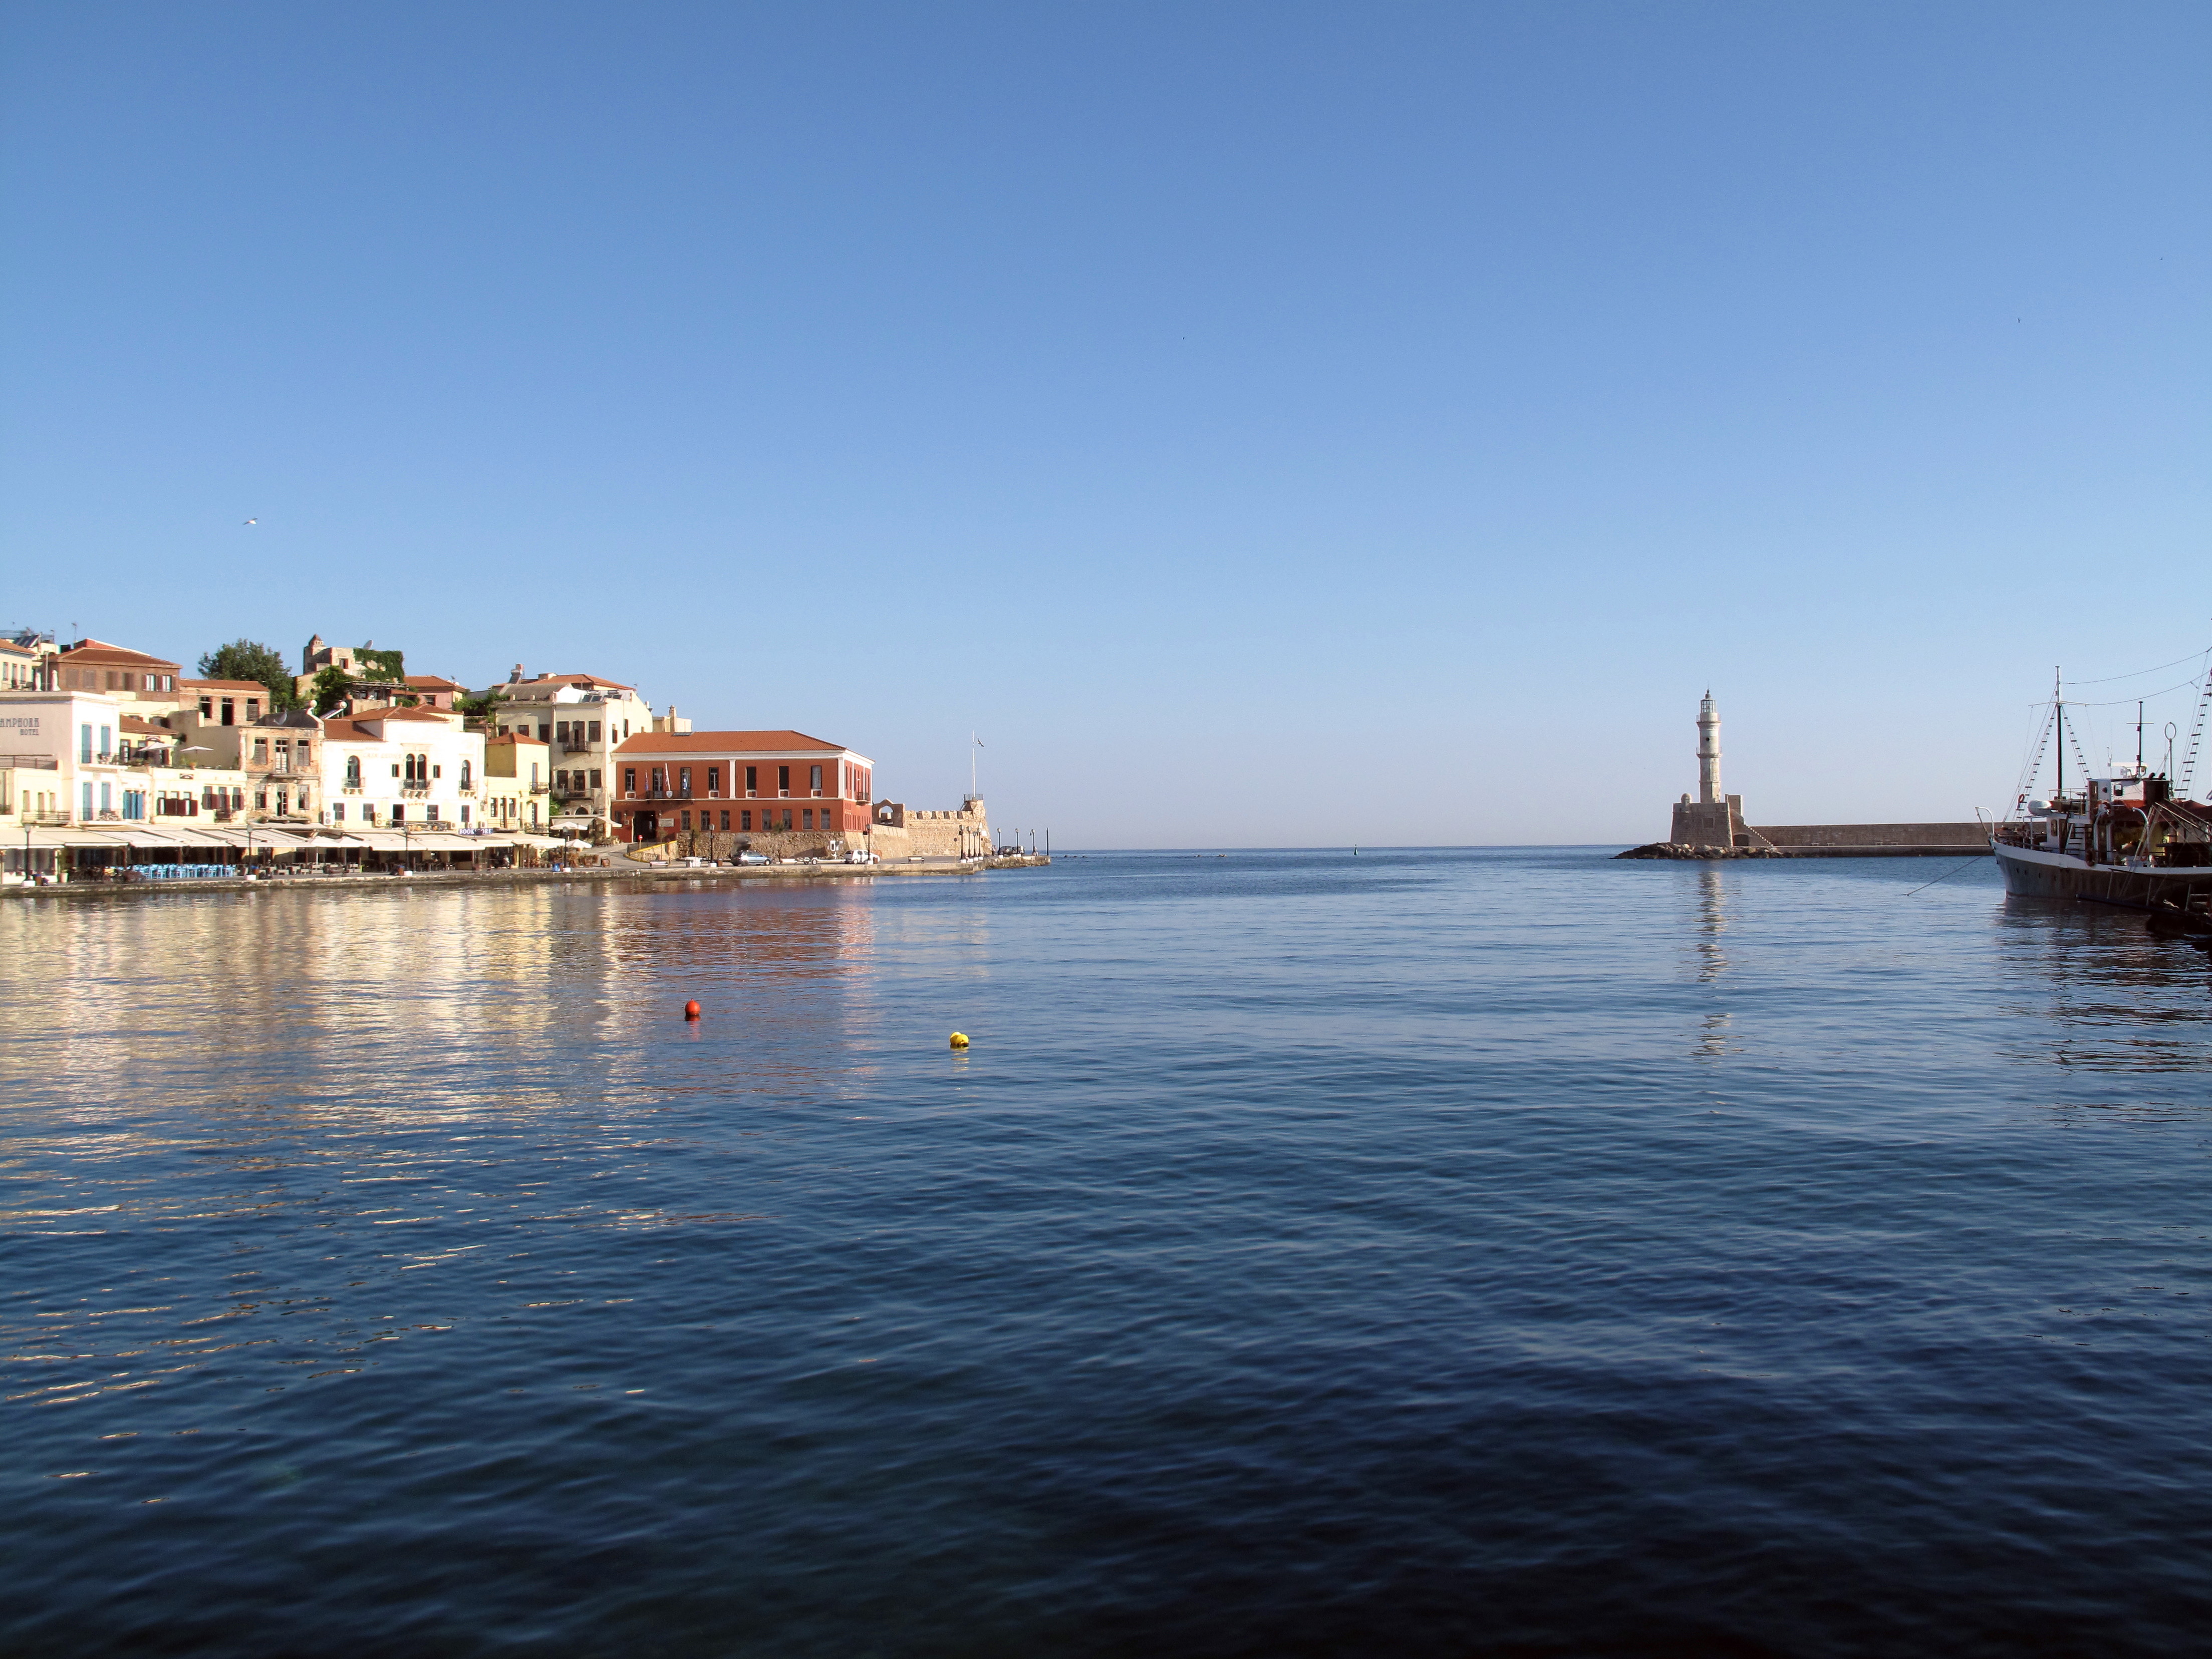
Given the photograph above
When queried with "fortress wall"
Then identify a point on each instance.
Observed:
(1934, 837)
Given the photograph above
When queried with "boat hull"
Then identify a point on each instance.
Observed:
(2035, 874)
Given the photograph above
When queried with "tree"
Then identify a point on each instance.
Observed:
(244, 660)
(479, 708)
(332, 687)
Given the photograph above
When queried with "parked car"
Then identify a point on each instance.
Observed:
(858, 855)
(752, 858)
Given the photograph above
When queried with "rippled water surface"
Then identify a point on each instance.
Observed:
(1430, 1254)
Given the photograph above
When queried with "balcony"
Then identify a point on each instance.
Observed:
(30, 763)
(414, 792)
(574, 746)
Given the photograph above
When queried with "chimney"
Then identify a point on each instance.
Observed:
(518, 676)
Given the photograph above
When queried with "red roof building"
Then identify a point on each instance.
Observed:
(672, 782)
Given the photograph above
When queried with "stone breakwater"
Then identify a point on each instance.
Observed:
(1676, 849)
(1833, 841)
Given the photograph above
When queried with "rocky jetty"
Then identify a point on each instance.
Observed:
(1675, 849)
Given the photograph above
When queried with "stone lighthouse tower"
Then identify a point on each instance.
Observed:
(1709, 753)
(1713, 819)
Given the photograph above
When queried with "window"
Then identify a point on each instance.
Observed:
(814, 779)
(467, 766)
(684, 780)
(261, 749)
(303, 751)
(744, 820)
(465, 812)
(261, 800)
(107, 739)
(752, 779)
(786, 818)
(726, 817)
(229, 712)
(395, 768)
(685, 818)
(253, 709)
(338, 813)
(629, 780)
(713, 780)
(783, 780)
(84, 745)
(207, 708)
(595, 777)
(398, 814)
(544, 732)
(806, 817)
(87, 800)
(561, 731)
(436, 771)
(353, 772)
(595, 731)
(106, 796)
(660, 781)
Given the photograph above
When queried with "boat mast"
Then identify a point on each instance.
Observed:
(2059, 716)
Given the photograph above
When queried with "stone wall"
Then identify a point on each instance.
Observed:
(1962, 838)
(898, 832)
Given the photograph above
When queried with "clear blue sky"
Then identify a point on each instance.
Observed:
(1267, 424)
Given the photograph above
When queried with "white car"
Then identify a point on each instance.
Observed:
(858, 855)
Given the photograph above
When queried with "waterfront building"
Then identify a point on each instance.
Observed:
(515, 793)
(667, 783)
(278, 755)
(583, 720)
(386, 766)
(435, 690)
(23, 662)
(77, 737)
(217, 702)
(130, 675)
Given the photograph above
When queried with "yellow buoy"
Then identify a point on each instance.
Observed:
(960, 1039)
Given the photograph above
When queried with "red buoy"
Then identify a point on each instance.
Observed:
(690, 1011)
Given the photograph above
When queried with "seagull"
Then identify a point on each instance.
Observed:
(253, 521)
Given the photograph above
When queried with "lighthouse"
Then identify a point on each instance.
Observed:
(1713, 819)
(1709, 753)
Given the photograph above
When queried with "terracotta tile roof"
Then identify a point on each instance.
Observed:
(435, 683)
(222, 685)
(727, 743)
(138, 727)
(362, 733)
(535, 742)
(113, 656)
(553, 682)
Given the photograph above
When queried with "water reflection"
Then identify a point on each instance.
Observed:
(2112, 994)
(1712, 923)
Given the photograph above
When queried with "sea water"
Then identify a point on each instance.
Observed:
(1415, 1252)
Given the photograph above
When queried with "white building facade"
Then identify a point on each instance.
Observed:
(394, 767)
